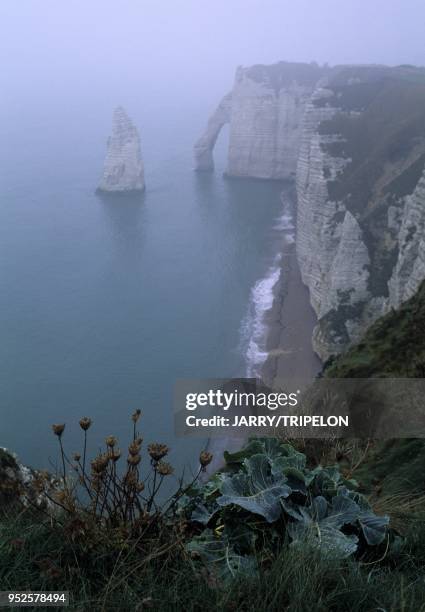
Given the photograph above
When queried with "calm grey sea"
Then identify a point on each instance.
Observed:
(105, 302)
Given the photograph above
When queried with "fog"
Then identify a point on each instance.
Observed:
(180, 50)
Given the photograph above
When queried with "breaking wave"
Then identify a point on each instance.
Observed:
(254, 327)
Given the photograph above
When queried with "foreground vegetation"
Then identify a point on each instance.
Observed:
(301, 526)
(108, 576)
(274, 530)
(394, 346)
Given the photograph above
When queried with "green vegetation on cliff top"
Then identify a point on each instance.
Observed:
(380, 122)
(393, 347)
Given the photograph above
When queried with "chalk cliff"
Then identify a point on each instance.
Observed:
(205, 145)
(353, 137)
(360, 199)
(409, 269)
(123, 168)
(264, 110)
(19, 483)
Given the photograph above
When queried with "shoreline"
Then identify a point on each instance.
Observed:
(289, 327)
(290, 323)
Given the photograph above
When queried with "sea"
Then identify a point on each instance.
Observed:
(106, 301)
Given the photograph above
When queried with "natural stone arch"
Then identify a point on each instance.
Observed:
(204, 147)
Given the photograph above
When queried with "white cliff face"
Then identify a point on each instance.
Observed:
(331, 252)
(204, 147)
(319, 220)
(332, 249)
(123, 168)
(348, 273)
(409, 270)
(265, 128)
(265, 111)
(25, 485)
(360, 239)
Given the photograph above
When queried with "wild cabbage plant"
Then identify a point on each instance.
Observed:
(266, 496)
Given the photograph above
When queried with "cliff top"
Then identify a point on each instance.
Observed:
(282, 74)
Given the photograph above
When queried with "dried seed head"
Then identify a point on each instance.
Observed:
(140, 487)
(131, 479)
(205, 458)
(157, 451)
(58, 429)
(136, 415)
(134, 448)
(164, 468)
(100, 463)
(133, 460)
(111, 441)
(76, 456)
(85, 423)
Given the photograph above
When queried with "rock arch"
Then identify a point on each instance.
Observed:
(203, 150)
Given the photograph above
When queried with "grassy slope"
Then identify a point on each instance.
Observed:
(34, 555)
(394, 347)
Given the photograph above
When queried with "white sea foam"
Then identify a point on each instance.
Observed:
(254, 327)
(284, 222)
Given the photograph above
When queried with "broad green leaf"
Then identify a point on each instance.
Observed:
(221, 557)
(296, 458)
(202, 515)
(374, 527)
(325, 481)
(319, 525)
(272, 448)
(253, 447)
(212, 486)
(294, 510)
(257, 491)
(343, 511)
(329, 540)
(295, 480)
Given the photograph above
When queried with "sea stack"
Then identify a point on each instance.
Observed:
(123, 168)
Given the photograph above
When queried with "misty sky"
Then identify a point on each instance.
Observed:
(153, 56)
(55, 47)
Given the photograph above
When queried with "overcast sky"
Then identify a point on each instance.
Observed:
(168, 46)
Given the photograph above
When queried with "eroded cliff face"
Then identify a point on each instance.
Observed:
(361, 199)
(24, 485)
(353, 137)
(409, 270)
(332, 254)
(264, 110)
(123, 168)
(204, 147)
(267, 111)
